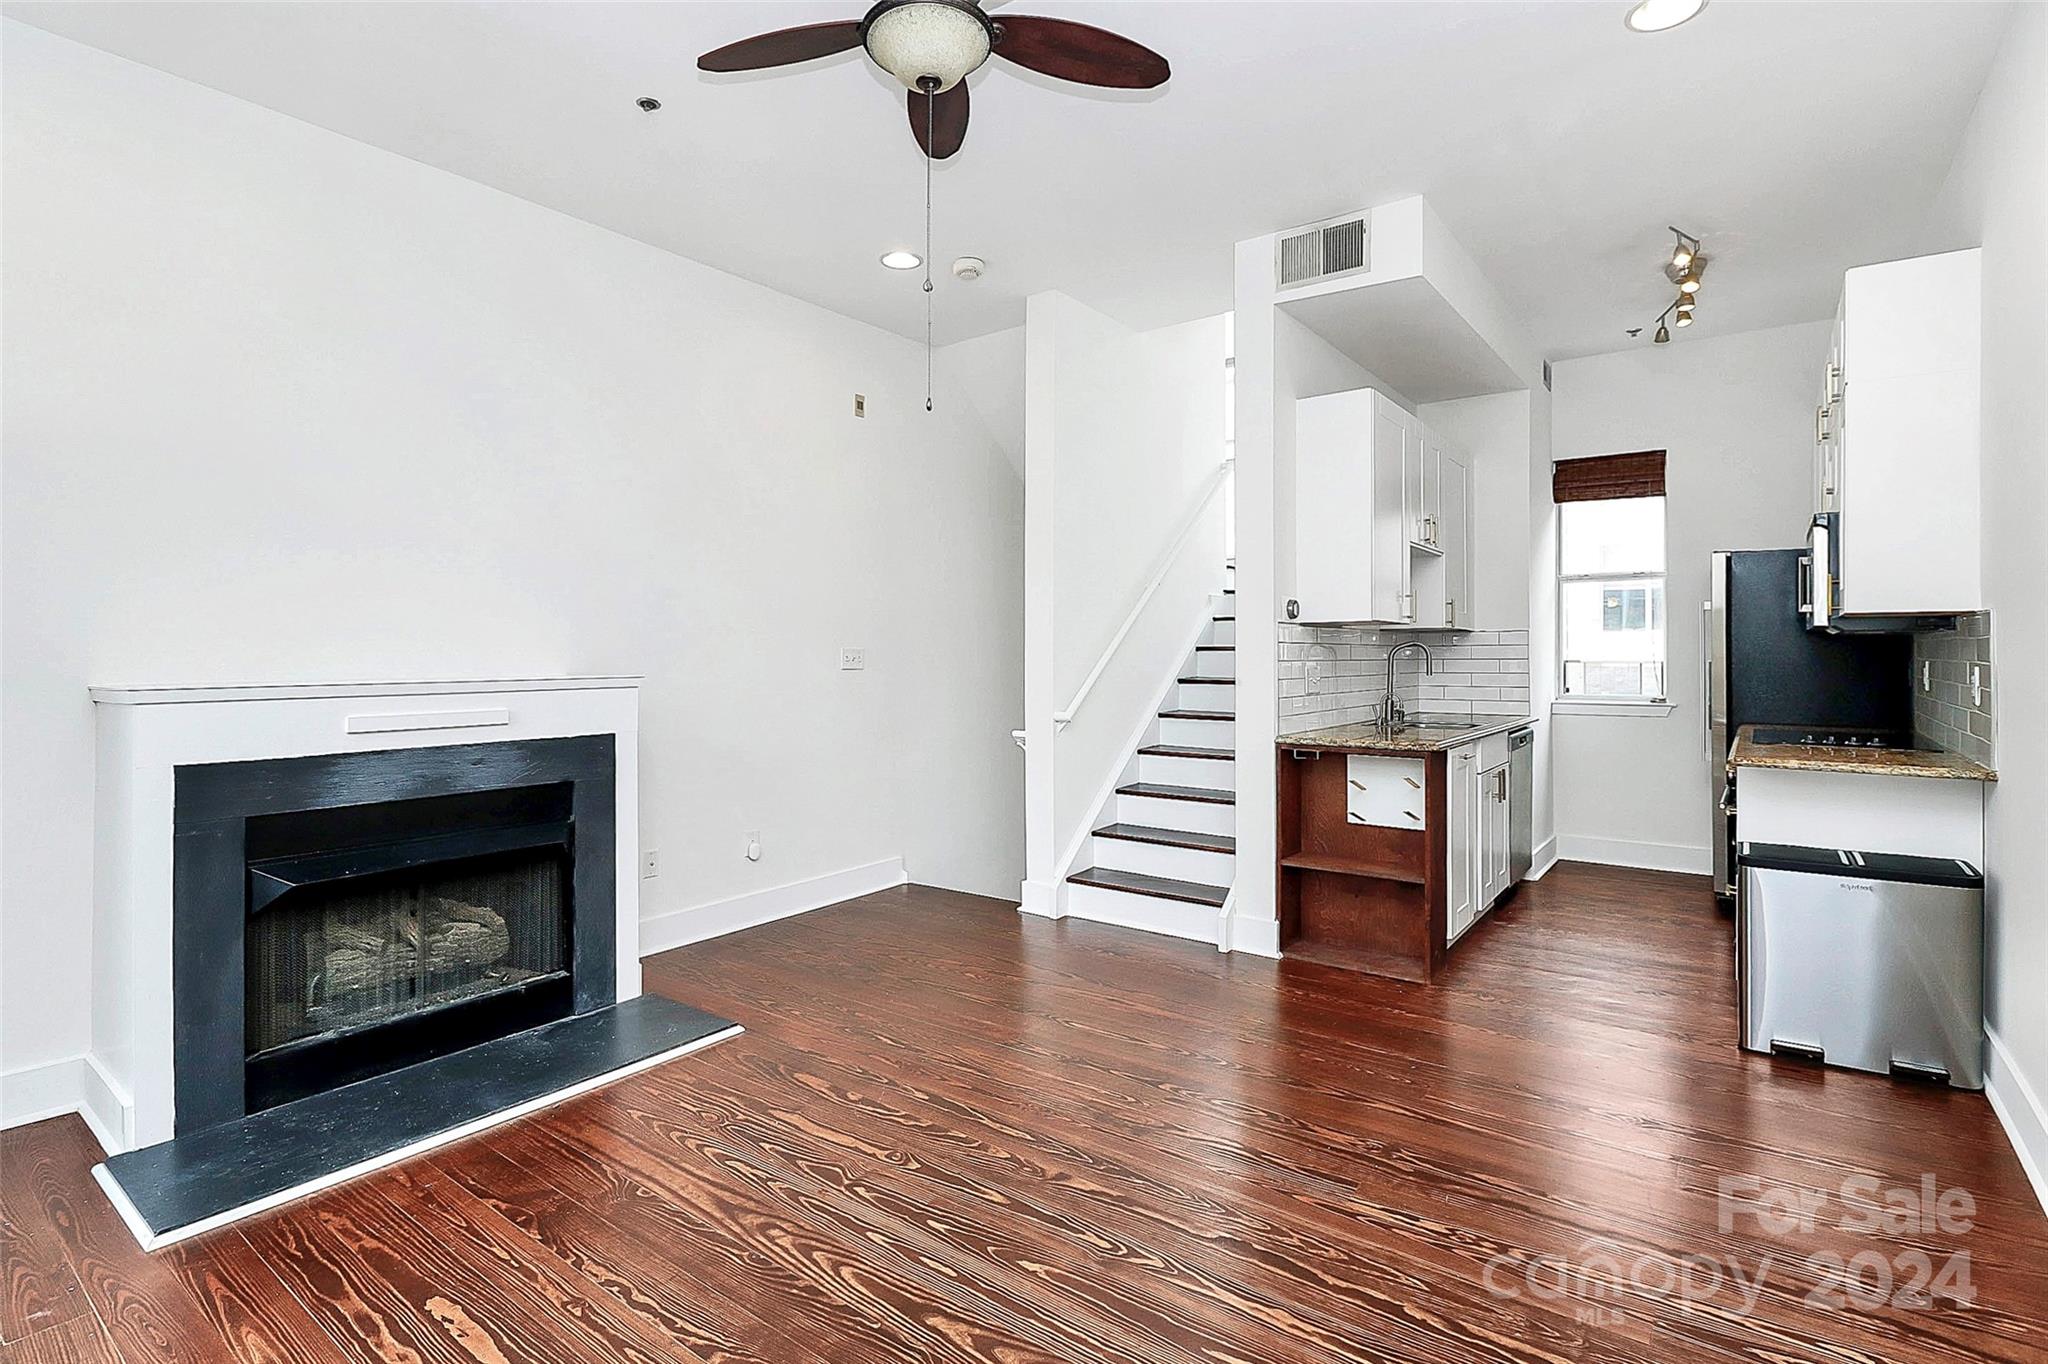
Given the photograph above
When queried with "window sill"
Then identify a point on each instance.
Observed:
(1609, 706)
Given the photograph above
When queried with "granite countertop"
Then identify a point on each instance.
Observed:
(1367, 737)
(1895, 762)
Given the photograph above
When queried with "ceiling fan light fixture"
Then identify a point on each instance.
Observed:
(924, 41)
(902, 260)
(1654, 16)
(1684, 318)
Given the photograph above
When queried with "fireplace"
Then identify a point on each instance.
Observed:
(341, 916)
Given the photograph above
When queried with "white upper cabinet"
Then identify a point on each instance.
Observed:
(1382, 516)
(1454, 536)
(1897, 438)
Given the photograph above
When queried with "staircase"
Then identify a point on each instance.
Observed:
(1161, 854)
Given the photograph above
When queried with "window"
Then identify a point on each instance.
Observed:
(1611, 576)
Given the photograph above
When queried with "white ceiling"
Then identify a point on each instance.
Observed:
(1797, 138)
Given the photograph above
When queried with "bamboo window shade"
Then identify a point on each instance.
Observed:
(1602, 478)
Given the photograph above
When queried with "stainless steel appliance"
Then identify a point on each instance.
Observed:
(1760, 665)
(1521, 803)
(1770, 736)
(1822, 595)
(1870, 961)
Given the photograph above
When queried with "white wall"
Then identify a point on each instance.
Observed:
(1278, 362)
(281, 406)
(1123, 441)
(1996, 196)
(1735, 415)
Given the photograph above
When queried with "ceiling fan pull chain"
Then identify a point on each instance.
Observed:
(931, 104)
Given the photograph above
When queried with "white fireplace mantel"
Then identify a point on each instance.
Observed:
(146, 733)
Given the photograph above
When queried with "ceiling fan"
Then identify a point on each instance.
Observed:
(932, 45)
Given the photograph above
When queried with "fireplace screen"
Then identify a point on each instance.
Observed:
(353, 954)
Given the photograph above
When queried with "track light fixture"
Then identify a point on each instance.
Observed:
(1687, 246)
(1685, 268)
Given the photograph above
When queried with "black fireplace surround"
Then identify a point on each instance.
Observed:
(339, 916)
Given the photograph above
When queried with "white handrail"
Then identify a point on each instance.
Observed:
(1062, 718)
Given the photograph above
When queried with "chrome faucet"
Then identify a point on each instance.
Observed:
(1391, 713)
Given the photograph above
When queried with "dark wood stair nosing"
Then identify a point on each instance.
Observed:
(1200, 795)
(1192, 751)
(1169, 838)
(1186, 713)
(1207, 681)
(1158, 887)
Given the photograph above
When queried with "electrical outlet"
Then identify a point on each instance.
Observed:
(860, 404)
(1926, 675)
(650, 865)
(1314, 673)
(753, 848)
(853, 658)
(1976, 684)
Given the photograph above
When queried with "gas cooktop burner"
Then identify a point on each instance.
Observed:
(1838, 738)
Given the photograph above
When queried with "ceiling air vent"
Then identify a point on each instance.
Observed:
(1322, 251)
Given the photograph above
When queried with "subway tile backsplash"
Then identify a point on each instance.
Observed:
(1478, 672)
(1946, 713)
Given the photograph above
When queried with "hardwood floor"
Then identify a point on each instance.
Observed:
(952, 1133)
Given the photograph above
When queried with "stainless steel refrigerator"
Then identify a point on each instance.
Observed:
(1762, 666)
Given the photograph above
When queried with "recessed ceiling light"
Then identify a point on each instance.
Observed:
(1654, 16)
(902, 260)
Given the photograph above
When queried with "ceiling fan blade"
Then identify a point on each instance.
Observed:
(783, 46)
(948, 112)
(1078, 52)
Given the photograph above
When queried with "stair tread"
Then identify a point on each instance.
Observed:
(1172, 838)
(1215, 648)
(1187, 751)
(1163, 887)
(1181, 713)
(1208, 681)
(1207, 795)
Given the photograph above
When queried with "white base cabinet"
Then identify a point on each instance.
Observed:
(1478, 827)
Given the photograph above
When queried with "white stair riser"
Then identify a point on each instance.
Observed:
(1204, 696)
(1198, 733)
(1160, 859)
(1156, 813)
(1209, 663)
(1219, 773)
(1146, 912)
(1222, 632)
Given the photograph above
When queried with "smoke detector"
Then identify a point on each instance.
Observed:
(969, 267)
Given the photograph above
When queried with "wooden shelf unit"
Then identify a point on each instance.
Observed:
(1359, 896)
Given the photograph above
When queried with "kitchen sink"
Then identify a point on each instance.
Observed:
(1438, 722)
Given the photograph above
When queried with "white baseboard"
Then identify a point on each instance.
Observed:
(2019, 1108)
(1037, 897)
(76, 1084)
(1256, 937)
(1542, 859)
(1622, 852)
(680, 927)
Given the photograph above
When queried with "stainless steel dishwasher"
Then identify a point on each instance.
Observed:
(1521, 802)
